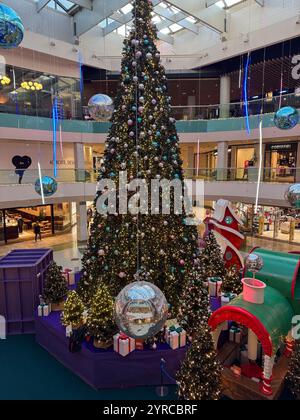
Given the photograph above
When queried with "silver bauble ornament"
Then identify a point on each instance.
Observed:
(141, 310)
(101, 107)
(253, 263)
(293, 195)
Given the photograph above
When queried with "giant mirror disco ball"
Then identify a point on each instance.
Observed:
(101, 107)
(11, 28)
(286, 118)
(49, 186)
(141, 310)
(293, 195)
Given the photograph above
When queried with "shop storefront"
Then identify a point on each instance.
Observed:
(19, 224)
(245, 159)
(275, 223)
(280, 162)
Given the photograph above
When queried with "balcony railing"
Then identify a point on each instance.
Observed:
(181, 113)
(270, 175)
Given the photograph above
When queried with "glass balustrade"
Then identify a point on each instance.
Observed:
(270, 175)
(181, 113)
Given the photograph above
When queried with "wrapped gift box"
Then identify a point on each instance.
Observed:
(44, 310)
(69, 276)
(123, 344)
(215, 303)
(139, 344)
(214, 286)
(235, 335)
(227, 298)
(69, 331)
(176, 337)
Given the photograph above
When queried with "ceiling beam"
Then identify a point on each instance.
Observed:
(209, 3)
(260, 2)
(178, 17)
(41, 4)
(87, 19)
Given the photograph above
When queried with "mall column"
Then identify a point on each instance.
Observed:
(222, 161)
(79, 162)
(225, 96)
(81, 216)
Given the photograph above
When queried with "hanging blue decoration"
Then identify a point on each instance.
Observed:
(11, 28)
(54, 129)
(49, 186)
(246, 103)
(286, 118)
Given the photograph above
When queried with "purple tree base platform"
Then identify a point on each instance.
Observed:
(105, 368)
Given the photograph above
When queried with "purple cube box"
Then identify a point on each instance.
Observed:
(22, 275)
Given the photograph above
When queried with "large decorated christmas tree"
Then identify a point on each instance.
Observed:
(142, 148)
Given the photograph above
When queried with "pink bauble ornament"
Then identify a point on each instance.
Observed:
(181, 262)
(130, 122)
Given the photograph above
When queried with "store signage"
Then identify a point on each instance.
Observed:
(280, 147)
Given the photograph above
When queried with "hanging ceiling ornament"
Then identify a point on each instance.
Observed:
(46, 186)
(11, 28)
(4, 80)
(141, 310)
(254, 263)
(101, 107)
(31, 85)
(286, 118)
(293, 195)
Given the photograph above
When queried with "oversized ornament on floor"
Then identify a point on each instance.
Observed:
(293, 195)
(141, 310)
(49, 186)
(11, 28)
(253, 263)
(101, 107)
(286, 118)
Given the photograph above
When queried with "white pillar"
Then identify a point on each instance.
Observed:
(252, 346)
(191, 162)
(225, 96)
(222, 161)
(79, 162)
(81, 216)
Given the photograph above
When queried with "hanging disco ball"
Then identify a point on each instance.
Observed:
(11, 28)
(101, 107)
(49, 186)
(141, 310)
(286, 118)
(293, 195)
(253, 263)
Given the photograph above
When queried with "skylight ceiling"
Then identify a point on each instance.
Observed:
(115, 16)
(168, 19)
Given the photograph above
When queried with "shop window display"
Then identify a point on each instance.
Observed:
(280, 162)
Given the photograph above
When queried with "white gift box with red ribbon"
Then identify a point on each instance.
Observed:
(123, 344)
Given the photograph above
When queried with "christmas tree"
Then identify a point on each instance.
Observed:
(100, 324)
(211, 258)
(200, 373)
(232, 281)
(293, 376)
(55, 288)
(73, 310)
(194, 310)
(142, 146)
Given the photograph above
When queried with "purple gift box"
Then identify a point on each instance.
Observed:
(215, 303)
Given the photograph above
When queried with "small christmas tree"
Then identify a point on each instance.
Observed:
(194, 311)
(293, 376)
(55, 288)
(212, 259)
(73, 310)
(200, 374)
(232, 281)
(100, 323)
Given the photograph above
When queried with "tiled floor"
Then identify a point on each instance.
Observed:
(68, 254)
